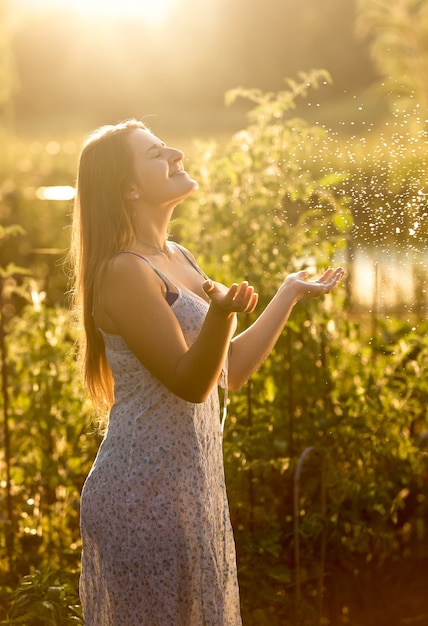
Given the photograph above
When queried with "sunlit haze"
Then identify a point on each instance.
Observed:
(153, 11)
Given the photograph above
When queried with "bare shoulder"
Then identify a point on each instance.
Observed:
(129, 288)
(123, 262)
(125, 270)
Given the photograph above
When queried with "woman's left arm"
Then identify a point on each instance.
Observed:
(250, 348)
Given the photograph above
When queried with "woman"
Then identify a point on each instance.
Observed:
(158, 548)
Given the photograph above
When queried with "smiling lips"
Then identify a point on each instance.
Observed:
(179, 171)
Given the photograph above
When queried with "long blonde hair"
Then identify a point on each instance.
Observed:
(102, 226)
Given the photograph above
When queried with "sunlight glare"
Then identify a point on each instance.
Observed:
(56, 192)
(153, 11)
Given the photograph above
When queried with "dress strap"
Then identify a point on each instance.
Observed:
(187, 256)
(170, 296)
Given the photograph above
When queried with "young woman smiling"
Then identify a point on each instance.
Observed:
(158, 339)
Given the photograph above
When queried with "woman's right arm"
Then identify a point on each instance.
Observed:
(134, 307)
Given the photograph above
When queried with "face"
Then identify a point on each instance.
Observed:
(160, 178)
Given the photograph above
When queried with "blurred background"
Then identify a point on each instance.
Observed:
(71, 64)
(68, 66)
(321, 158)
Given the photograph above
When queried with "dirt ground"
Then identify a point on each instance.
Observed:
(395, 594)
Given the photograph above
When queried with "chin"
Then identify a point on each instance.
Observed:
(185, 194)
(195, 185)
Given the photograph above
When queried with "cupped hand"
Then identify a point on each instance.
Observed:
(313, 288)
(237, 299)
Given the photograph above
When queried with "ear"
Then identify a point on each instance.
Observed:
(132, 193)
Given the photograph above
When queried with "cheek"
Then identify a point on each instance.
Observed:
(148, 178)
(153, 183)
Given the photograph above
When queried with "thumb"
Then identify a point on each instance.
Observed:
(208, 286)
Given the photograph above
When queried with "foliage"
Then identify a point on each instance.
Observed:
(356, 397)
(27, 168)
(262, 184)
(51, 449)
(41, 600)
(356, 406)
(398, 34)
(268, 205)
(42, 382)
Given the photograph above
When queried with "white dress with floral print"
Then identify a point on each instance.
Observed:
(158, 547)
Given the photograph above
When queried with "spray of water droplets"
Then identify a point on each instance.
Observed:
(386, 186)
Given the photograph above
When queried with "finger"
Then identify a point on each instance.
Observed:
(242, 290)
(245, 298)
(332, 275)
(326, 276)
(252, 303)
(334, 280)
(232, 292)
(246, 293)
(337, 275)
(208, 286)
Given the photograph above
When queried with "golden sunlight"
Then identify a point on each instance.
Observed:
(153, 11)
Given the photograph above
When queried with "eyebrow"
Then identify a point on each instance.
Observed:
(156, 146)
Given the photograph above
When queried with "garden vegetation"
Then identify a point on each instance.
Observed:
(326, 446)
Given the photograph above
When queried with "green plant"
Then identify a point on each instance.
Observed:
(51, 448)
(397, 32)
(44, 598)
(269, 207)
(269, 204)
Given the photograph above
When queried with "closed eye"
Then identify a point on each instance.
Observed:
(154, 150)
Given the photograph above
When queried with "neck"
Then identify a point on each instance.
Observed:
(161, 249)
(151, 231)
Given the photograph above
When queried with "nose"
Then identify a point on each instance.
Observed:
(175, 155)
